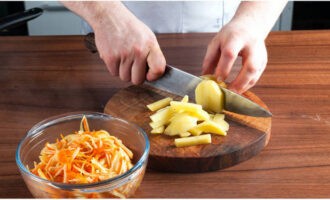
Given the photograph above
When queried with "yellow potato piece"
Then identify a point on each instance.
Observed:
(208, 127)
(196, 130)
(220, 119)
(180, 123)
(179, 118)
(213, 78)
(159, 104)
(223, 124)
(194, 140)
(209, 95)
(185, 134)
(178, 106)
(162, 115)
(157, 124)
(185, 99)
(191, 108)
(158, 130)
(201, 115)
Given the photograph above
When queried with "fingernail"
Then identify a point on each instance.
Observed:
(219, 79)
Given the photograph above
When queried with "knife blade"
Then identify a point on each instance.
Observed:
(182, 83)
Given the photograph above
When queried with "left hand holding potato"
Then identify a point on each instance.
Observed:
(243, 36)
(233, 41)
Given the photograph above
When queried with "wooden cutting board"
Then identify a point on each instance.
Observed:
(246, 137)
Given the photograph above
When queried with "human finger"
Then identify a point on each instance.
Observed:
(112, 63)
(138, 74)
(228, 55)
(211, 57)
(125, 67)
(254, 63)
(156, 62)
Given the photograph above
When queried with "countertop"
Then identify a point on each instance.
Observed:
(45, 76)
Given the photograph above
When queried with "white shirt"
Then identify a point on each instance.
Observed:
(183, 16)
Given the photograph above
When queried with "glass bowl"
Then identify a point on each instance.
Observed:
(49, 130)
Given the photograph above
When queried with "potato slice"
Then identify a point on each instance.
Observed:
(201, 115)
(158, 130)
(191, 108)
(180, 123)
(194, 140)
(185, 99)
(178, 106)
(160, 104)
(157, 124)
(223, 124)
(209, 95)
(208, 127)
(220, 119)
(213, 78)
(162, 115)
(185, 134)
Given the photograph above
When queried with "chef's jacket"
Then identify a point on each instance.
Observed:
(182, 16)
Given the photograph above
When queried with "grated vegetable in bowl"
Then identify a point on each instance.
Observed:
(83, 157)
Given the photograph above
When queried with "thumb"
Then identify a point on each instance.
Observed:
(156, 62)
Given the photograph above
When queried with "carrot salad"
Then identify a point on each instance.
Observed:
(83, 157)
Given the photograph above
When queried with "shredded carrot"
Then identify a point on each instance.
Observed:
(83, 157)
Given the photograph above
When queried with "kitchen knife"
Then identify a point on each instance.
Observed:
(19, 18)
(182, 83)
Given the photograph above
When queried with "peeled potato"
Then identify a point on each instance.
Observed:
(191, 108)
(178, 106)
(220, 119)
(159, 104)
(162, 115)
(185, 99)
(194, 140)
(180, 123)
(157, 124)
(209, 95)
(208, 127)
(158, 130)
(183, 119)
(218, 116)
(213, 78)
(185, 134)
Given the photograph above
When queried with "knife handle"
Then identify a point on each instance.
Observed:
(89, 41)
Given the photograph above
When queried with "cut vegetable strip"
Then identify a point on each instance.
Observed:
(194, 140)
(159, 104)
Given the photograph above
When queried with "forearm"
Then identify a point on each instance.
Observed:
(99, 13)
(260, 15)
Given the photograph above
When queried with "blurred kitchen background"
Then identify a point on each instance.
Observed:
(57, 20)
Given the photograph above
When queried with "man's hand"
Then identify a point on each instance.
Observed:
(243, 36)
(233, 41)
(126, 45)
